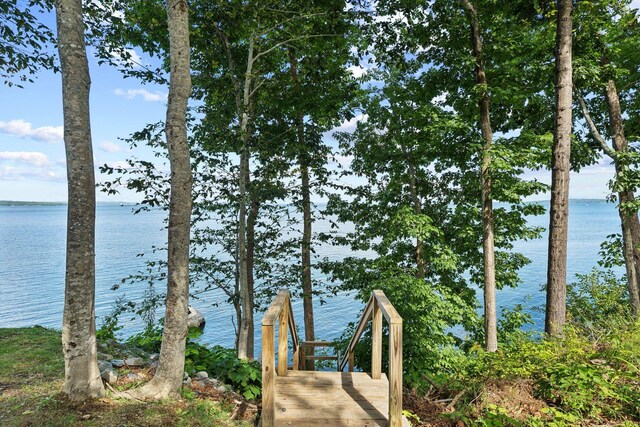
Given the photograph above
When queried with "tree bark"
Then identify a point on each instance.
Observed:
(252, 217)
(82, 377)
(244, 349)
(305, 190)
(555, 315)
(488, 245)
(625, 196)
(169, 374)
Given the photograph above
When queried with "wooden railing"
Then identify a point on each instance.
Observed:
(279, 312)
(377, 307)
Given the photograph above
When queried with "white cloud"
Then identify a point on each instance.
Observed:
(29, 166)
(357, 70)
(350, 126)
(145, 94)
(130, 58)
(11, 173)
(120, 164)
(344, 161)
(110, 147)
(24, 129)
(33, 158)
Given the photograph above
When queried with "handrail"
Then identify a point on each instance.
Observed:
(377, 307)
(281, 312)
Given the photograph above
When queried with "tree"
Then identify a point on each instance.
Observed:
(169, 374)
(555, 314)
(489, 261)
(481, 78)
(606, 41)
(25, 42)
(82, 376)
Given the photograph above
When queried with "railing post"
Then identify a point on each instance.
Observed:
(351, 361)
(283, 337)
(395, 374)
(376, 342)
(296, 358)
(268, 377)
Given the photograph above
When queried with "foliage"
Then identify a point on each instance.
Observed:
(598, 303)
(26, 42)
(222, 363)
(244, 375)
(589, 373)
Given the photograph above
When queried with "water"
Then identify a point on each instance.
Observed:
(32, 253)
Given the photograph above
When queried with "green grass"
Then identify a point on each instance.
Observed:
(31, 379)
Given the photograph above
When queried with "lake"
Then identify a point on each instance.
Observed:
(32, 256)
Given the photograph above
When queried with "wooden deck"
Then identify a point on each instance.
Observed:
(294, 397)
(310, 398)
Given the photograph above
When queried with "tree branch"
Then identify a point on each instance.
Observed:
(594, 131)
(284, 42)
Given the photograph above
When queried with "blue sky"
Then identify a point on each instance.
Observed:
(32, 158)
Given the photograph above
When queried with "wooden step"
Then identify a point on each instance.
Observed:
(316, 398)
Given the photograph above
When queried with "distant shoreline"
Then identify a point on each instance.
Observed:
(25, 203)
(103, 203)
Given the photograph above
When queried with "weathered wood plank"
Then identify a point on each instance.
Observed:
(318, 343)
(268, 377)
(366, 315)
(283, 340)
(387, 308)
(395, 375)
(376, 341)
(273, 312)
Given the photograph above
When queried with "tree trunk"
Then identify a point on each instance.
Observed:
(488, 250)
(625, 196)
(305, 189)
(169, 374)
(251, 246)
(243, 349)
(555, 315)
(243, 179)
(417, 209)
(82, 377)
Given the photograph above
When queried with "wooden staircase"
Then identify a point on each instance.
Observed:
(295, 397)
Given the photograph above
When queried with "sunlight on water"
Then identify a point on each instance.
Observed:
(32, 251)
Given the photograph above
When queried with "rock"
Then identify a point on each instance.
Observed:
(134, 377)
(109, 375)
(104, 365)
(195, 319)
(134, 361)
(154, 364)
(201, 375)
(187, 382)
(185, 375)
(217, 384)
(104, 356)
(154, 356)
(118, 363)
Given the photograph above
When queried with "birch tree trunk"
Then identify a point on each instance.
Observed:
(252, 217)
(555, 314)
(305, 189)
(244, 348)
(169, 374)
(488, 246)
(625, 196)
(82, 377)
